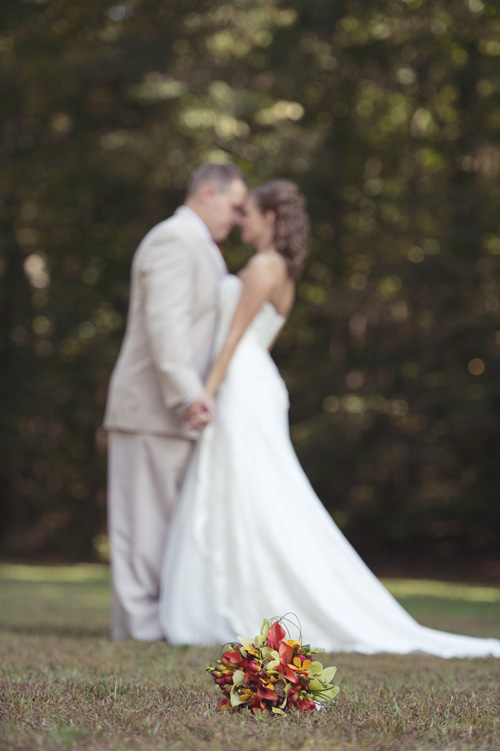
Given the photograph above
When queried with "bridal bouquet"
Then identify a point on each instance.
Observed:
(272, 673)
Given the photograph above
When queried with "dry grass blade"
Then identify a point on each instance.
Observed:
(63, 685)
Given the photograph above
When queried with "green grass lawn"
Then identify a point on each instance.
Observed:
(64, 685)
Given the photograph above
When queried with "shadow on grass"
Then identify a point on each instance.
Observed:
(74, 602)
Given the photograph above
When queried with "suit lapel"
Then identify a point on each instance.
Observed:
(209, 247)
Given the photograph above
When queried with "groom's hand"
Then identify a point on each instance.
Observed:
(199, 413)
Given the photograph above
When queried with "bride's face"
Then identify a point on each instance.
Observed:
(256, 226)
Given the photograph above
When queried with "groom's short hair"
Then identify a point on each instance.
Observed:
(220, 175)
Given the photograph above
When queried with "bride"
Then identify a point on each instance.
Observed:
(251, 540)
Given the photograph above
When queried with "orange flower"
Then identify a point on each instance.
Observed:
(288, 673)
(286, 653)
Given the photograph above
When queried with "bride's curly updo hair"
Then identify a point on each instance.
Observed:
(291, 230)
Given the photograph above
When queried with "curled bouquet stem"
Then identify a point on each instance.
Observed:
(272, 673)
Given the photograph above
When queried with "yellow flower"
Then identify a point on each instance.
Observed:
(246, 694)
(297, 664)
(269, 681)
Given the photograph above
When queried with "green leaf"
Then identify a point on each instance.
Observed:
(270, 654)
(316, 667)
(245, 641)
(315, 685)
(287, 691)
(328, 674)
(272, 665)
(234, 696)
(327, 694)
(265, 628)
(238, 677)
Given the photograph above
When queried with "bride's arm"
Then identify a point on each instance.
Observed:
(262, 274)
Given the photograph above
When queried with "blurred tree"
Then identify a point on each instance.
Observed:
(387, 115)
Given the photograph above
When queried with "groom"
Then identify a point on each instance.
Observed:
(156, 388)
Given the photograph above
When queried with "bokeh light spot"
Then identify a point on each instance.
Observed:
(476, 366)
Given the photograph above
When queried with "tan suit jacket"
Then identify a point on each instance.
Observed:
(168, 340)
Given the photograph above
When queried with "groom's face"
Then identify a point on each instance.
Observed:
(225, 209)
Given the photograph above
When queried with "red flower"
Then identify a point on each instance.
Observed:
(306, 705)
(266, 693)
(258, 705)
(275, 635)
(253, 667)
(231, 656)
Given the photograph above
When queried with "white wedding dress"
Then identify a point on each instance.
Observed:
(251, 540)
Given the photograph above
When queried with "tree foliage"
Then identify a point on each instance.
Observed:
(387, 115)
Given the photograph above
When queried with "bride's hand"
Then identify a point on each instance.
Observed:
(199, 413)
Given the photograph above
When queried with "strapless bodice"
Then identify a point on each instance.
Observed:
(261, 331)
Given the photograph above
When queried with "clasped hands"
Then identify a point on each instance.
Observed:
(199, 413)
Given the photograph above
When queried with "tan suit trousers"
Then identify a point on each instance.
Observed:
(145, 474)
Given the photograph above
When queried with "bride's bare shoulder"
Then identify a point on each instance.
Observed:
(268, 263)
